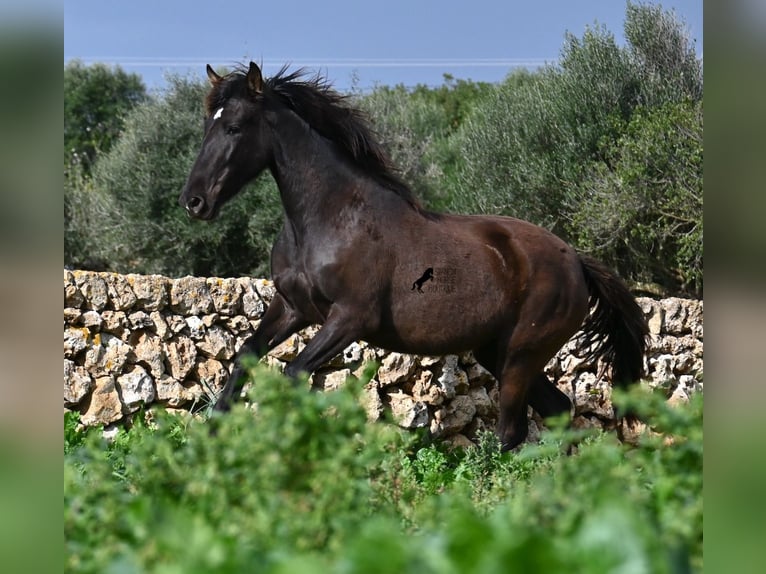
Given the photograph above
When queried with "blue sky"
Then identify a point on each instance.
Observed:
(383, 42)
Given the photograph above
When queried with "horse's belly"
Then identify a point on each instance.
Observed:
(434, 323)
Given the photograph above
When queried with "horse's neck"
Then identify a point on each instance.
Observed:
(311, 175)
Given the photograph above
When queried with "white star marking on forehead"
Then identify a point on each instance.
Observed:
(218, 114)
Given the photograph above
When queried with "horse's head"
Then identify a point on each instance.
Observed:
(235, 148)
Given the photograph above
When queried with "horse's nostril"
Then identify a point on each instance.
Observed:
(195, 204)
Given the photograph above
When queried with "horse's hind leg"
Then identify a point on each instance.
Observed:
(515, 381)
(547, 399)
(543, 395)
(522, 383)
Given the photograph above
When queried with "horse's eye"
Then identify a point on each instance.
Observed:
(232, 130)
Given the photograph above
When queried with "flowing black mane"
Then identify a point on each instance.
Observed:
(327, 112)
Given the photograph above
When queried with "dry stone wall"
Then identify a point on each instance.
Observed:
(135, 340)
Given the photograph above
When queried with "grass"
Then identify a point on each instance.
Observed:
(306, 484)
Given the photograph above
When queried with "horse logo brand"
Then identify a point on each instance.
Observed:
(428, 275)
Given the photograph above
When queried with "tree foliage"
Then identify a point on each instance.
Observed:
(96, 99)
(604, 148)
(640, 211)
(533, 149)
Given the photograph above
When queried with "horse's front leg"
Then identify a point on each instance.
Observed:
(277, 324)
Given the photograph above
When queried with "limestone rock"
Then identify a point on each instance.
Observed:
(265, 288)
(190, 296)
(453, 417)
(140, 320)
(71, 316)
(170, 391)
(92, 320)
(654, 315)
(176, 324)
(253, 305)
(424, 390)
(73, 297)
(93, 356)
(478, 376)
(349, 357)
(77, 384)
(196, 327)
(151, 291)
(75, 341)
(481, 401)
(226, 295)
(136, 387)
(114, 357)
(238, 325)
(149, 351)
(114, 323)
(181, 354)
(288, 349)
(396, 368)
(121, 295)
(160, 325)
(211, 374)
(452, 380)
(428, 361)
(407, 412)
(217, 343)
(676, 314)
(373, 405)
(105, 406)
(592, 395)
(93, 289)
(330, 380)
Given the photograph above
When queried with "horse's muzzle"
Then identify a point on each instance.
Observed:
(194, 206)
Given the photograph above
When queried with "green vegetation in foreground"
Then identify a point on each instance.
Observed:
(305, 484)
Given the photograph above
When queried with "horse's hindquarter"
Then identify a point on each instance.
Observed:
(486, 274)
(555, 296)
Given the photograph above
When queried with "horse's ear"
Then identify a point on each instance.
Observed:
(254, 79)
(212, 76)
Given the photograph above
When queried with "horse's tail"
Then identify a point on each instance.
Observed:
(615, 328)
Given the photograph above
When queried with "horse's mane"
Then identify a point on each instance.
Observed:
(330, 114)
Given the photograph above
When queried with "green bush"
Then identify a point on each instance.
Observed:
(96, 99)
(409, 127)
(302, 483)
(640, 211)
(569, 147)
(512, 159)
(563, 148)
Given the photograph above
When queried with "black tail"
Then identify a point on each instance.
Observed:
(615, 328)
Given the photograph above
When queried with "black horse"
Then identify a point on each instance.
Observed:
(354, 236)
